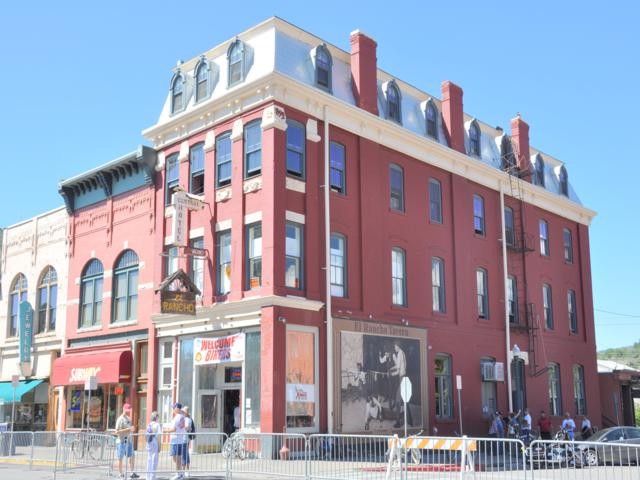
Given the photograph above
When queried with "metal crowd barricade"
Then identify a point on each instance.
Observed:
(84, 449)
(274, 454)
(43, 448)
(349, 457)
(16, 446)
(571, 459)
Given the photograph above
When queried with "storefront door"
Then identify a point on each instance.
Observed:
(208, 416)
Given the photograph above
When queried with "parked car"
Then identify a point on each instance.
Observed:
(616, 445)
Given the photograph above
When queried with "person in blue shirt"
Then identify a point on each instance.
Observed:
(569, 426)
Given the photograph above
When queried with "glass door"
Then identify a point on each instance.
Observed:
(208, 418)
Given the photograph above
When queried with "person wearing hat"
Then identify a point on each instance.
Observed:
(177, 440)
(188, 426)
(124, 440)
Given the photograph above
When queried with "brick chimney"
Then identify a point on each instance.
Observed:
(364, 71)
(520, 141)
(452, 115)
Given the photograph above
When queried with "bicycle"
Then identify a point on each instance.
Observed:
(86, 444)
(234, 447)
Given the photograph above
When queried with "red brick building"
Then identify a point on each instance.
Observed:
(348, 231)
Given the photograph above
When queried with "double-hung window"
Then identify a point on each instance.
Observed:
(295, 148)
(252, 149)
(338, 265)
(544, 238)
(564, 181)
(177, 94)
(555, 396)
(482, 293)
(431, 115)
(435, 201)
(393, 103)
(17, 295)
(337, 167)
(509, 227)
(474, 139)
(223, 270)
(478, 215)
(171, 261)
(223, 160)
(323, 67)
(398, 277)
(396, 187)
(294, 256)
(579, 390)
(254, 255)
(547, 306)
(47, 300)
(172, 174)
(573, 314)
(568, 245)
(196, 263)
(91, 294)
(512, 291)
(437, 284)
(443, 387)
(125, 288)
(196, 167)
(235, 57)
(202, 81)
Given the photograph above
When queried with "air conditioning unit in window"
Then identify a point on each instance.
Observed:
(492, 372)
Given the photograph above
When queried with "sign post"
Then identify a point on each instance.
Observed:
(15, 381)
(91, 383)
(405, 393)
(459, 387)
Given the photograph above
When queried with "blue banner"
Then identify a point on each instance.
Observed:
(26, 331)
(76, 396)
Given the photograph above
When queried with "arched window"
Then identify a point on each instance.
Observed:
(538, 177)
(393, 102)
(508, 157)
(202, 80)
(177, 93)
(91, 294)
(431, 117)
(47, 300)
(235, 57)
(564, 181)
(125, 288)
(17, 294)
(474, 139)
(295, 148)
(323, 67)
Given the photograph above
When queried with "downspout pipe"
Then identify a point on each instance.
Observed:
(327, 246)
(507, 326)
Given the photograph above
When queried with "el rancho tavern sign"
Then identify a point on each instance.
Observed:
(178, 294)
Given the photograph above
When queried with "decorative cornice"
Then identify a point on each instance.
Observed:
(274, 117)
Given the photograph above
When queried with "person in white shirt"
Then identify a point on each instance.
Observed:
(153, 445)
(124, 440)
(178, 439)
(569, 426)
(586, 429)
(526, 426)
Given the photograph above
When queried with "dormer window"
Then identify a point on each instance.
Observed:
(177, 94)
(508, 157)
(474, 139)
(235, 56)
(202, 80)
(393, 102)
(323, 67)
(431, 117)
(538, 174)
(564, 181)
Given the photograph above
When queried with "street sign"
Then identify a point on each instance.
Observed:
(25, 331)
(91, 383)
(15, 381)
(459, 382)
(405, 389)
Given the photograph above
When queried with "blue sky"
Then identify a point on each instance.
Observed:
(80, 80)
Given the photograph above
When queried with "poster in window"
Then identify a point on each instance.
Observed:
(300, 385)
(75, 404)
(373, 360)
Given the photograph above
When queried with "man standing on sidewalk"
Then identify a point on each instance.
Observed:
(124, 440)
(178, 439)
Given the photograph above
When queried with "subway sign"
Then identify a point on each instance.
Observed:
(178, 303)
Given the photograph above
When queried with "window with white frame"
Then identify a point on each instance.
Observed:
(196, 263)
(443, 386)
(544, 238)
(302, 393)
(512, 291)
(431, 117)
(223, 270)
(223, 159)
(202, 80)
(17, 295)
(177, 94)
(125, 288)
(252, 149)
(478, 215)
(572, 310)
(172, 177)
(509, 227)
(437, 284)
(435, 201)
(171, 261)
(47, 301)
(398, 277)
(488, 388)
(295, 148)
(547, 306)
(254, 255)
(396, 187)
(323, 67)
(579, 390)
(482, 293)
(337, 167)
(235, 58)
(165, 380)
(91, 283)
(568, 245)
(555, 396)
(196, 168)
(338, 255)
(294, 270)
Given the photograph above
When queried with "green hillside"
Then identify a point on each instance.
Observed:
(627, 355)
